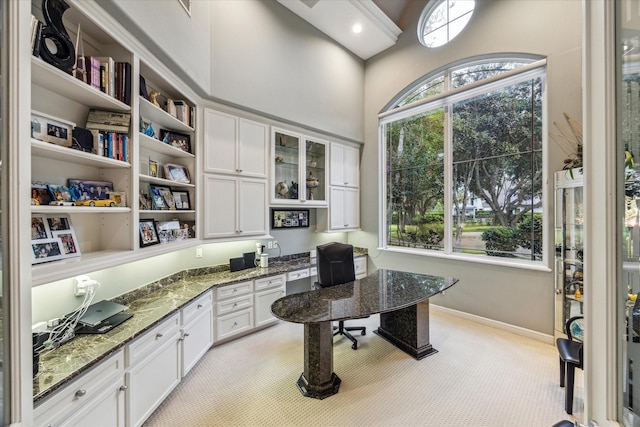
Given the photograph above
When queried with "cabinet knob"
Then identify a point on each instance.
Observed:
(123, 388)
(235, 323)
(235, 304)
(186, 335)
(199, 305)
(81, 393)
(159, 335)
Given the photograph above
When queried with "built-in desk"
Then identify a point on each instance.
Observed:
(401, 298)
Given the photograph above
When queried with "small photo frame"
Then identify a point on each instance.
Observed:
(167, 195)
(157, 199)
(69, 243)
(143, 88)
(145, 202)
(154, 169)
(167, 230)
(40, 194)
(46, 250)
(178, 140)
(181, 199)
(120, 198)
(177, 173)
(289, 218)
(61, 195)
(39, 228)
(187, 230)
(148, 235)
(90, 190)
(51, 129)
(58, 223)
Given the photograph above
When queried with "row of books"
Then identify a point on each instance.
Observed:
(107, 75)
(180, 110)
(113, 145)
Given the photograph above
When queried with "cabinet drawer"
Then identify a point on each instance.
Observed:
(298, 274)
(234, 290)
(79, 392)
(152, 339)
(234, 323)
(234, 304)
(360, 265)
(200, 305)
(270, 282)
(313, 271)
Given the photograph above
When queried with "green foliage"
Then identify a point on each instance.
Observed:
(526, 227)
(500, 241)
(431, 234)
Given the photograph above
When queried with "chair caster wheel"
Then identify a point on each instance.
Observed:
(354, 346)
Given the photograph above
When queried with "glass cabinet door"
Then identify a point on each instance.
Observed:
(569, 248)
(286, 167)
(315, 161)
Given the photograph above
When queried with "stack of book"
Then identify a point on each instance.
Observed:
(112, 133)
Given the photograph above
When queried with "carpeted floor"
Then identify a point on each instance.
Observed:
(481, 376)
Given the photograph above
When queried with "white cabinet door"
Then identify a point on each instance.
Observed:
(220, 200)
(197, 338)
(344, 210)
(105, 410)
(252, 206)
(152, 379)
(220, 135)
(263, 301)
(345, 166)
(253, 148)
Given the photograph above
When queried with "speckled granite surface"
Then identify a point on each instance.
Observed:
(150, 304)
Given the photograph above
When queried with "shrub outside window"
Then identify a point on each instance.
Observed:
(464, 164)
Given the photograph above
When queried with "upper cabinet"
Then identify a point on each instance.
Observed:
(234, 145)
(345, 166)
(299, 166)
(86, 130)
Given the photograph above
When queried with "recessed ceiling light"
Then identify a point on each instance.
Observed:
(357, 28)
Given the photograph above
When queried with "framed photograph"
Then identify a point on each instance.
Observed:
(69, 243)
(46, 250)
(181, 199)
(167, 230)
(187, 230)
(50, 129)
(289, 218)
(153, 169)
(143, 88)
(61, 195)
(39, 228)
(176, 173)
(157, 199)
(58, 223)
(148, 235)
(144, 199)
(167, 195)
(90, 190)
(178, 140)
(40, 194)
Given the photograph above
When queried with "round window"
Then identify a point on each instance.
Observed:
(442, 20)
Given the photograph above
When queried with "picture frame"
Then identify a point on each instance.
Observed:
(175, 139)
(167, 230)
(153, 168)
(120, 198)
(187, 230)
(46, 250)
(157, 199)
(69, 242)
(39, 228)
(181, 199)
(40, 194)
(47, 128)
(61, 195)
(58, 223)
(289, 218)
(148, 234)
(167, 195)
(90, 190)
(144, 199)
(177, 173)
(143, 88)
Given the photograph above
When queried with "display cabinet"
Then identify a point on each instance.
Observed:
(299, 170)
(569, 223)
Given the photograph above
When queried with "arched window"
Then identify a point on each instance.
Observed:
(462, 151)
(442, 20)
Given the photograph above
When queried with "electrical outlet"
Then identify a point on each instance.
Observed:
(198, 252)
(270, 244)
(275, 243)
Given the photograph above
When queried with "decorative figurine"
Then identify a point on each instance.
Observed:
(293, 192)
(153, 97)
(282, 190)
(63, 56)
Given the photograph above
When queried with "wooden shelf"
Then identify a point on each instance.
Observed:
(158, 146)
(58, 152)
(148, 111)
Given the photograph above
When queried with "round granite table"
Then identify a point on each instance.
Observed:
(401, 298)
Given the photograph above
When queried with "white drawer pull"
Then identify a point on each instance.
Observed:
(199, 306)
(235, 323)
(159, 335)
(123, 387)
(81, 393)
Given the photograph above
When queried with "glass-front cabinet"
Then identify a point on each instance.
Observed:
(298, 170)
(569, 214)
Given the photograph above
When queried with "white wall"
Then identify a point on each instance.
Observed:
(550, 28)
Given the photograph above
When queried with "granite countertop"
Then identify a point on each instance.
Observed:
(150, 304)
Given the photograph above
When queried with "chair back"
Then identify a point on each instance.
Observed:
(335, 264)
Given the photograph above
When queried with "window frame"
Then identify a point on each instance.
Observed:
(535, 69)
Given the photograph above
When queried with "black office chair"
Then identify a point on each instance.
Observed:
(335, 267)
(571, 357)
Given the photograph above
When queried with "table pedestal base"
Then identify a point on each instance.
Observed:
(318, 379)
(408, 329)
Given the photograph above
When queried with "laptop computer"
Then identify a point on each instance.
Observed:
(99, 312)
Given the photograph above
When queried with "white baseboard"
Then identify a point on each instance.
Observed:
(548, 339)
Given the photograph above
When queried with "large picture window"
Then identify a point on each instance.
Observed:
(463, 154)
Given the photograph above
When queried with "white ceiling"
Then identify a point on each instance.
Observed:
(335, 18)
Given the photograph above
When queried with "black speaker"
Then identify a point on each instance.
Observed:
(82, 139)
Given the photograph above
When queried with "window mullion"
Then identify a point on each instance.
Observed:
(448, 181)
